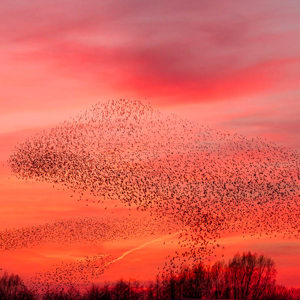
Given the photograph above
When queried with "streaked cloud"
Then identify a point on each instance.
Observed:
(63, 55)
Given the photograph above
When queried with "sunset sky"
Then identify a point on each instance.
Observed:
(233, 65)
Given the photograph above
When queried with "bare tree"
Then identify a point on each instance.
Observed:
(250, 276)
(12, 287)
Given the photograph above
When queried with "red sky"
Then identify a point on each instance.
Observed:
(231, 64)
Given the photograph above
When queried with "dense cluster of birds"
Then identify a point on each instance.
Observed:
(93, 233)
(90, 231)
(77, 274)
(205, 181)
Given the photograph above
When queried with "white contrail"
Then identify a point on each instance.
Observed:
(140, 247)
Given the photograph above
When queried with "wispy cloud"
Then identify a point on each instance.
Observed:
(58, 55)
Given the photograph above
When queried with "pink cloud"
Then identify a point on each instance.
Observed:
(56, 56)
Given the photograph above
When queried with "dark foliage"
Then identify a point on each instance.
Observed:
(246, 276)
(12, 287)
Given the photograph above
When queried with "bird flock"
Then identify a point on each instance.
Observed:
(200, 181)
(89, 231)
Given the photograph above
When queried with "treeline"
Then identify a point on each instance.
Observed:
(246, 276)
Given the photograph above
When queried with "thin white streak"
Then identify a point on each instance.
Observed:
(141, 246)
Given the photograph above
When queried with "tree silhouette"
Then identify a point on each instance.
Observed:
(246, 276)
(98, 293)
(251, 276)
(12, 287)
